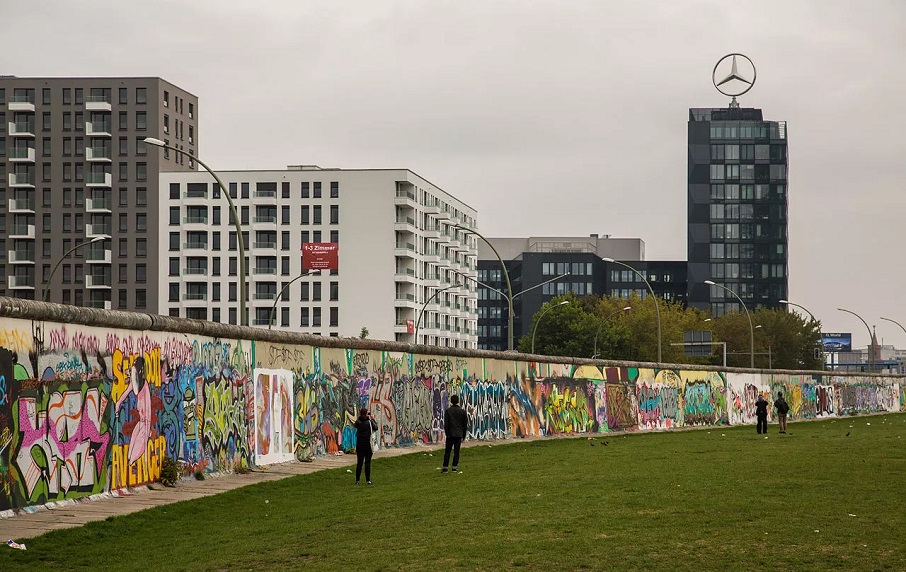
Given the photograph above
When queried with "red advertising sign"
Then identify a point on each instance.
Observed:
(410, 326)
(320, 256)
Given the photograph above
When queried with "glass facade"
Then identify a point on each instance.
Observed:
(737, 209)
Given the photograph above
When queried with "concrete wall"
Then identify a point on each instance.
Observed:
(92, 401)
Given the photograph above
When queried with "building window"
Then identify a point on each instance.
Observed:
(174, 216)
(316, 215)
(141, 95)
(335, 236)
(305, 191)
(334, 190)
(141, 247)
(141, 171)
(124, 96)
(334, 291)
(173, 293)
(141, 197)
(334, 214)
(316, 190)
(284, 214)
(305, 215)
(141, 121)
(334, 316)
(124, 120)
(123, 298)
(141, 298)
(316, 317)
(141, 273)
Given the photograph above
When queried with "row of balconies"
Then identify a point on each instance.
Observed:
(28, 282)
(25, 104)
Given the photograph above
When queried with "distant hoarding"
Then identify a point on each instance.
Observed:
(837, 342)
(320, 256)
(697, 342)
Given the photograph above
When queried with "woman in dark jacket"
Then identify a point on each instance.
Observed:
(365, 425)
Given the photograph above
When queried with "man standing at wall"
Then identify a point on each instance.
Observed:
(761, 414)
(456, 424)
(782, 409)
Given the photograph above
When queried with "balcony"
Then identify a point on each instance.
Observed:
(99, 180)
(197, 245)
(92, 230)
(265, 194)
(22, 231)
(405, 199)
(97, 281)
(21, 129)
(96, 129)
(20, 282)
(406, 300)
(266, 270)
(98, 257)
(22, 155)
(433, 207)
(405, 249)
(100, 304)
(189, 296)
(97, 103)
(22, 180)
(265, 245)
(405, 224)
(98, 154)
(21, 257)
(21, 103)
(201, 195)
(267, 219)
(265, 295)
(21, 206)
(195, 271)
(432, 256)
(431, 231)
(97, 205)
(195, 219)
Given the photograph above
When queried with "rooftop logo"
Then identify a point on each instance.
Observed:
(733, 76)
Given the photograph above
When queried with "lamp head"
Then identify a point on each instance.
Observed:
(153, 141)
(627, 308)
(710, 283)
(707, 319)
(608, 260)
(97, 238)
(784, 301)
(563, 302)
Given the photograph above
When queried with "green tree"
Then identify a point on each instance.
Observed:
(784, 341)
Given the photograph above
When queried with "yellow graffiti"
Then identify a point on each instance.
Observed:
(122, 371)
(16, 341)
(145, 470)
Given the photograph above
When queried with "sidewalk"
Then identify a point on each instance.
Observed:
(29, 525)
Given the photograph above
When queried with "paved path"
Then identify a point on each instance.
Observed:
(28, 525)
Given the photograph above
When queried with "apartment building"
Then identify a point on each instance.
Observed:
(399, 252)
(73, 167)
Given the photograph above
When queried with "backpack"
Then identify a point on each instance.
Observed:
(783, 407)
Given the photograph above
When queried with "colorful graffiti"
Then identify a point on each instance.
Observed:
(86, 410)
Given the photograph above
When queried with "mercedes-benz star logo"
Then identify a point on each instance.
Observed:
(732, 80)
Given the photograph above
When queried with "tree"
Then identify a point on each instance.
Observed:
(790, 339)
(364, 333)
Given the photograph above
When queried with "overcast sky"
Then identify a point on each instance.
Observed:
(549, 117)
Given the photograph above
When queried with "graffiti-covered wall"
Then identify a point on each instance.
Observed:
(86, 408)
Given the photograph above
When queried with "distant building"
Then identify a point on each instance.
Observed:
(397, 247)
(737, 209)
(73, 166)
(533, 261)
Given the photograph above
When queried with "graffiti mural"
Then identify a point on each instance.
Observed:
(86, 410)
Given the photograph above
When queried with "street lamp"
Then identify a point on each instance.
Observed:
(425, 305)
(653, 295)
(810, 315)
(538, 321)
(516, 295)
(751, 327)
(895, 322)
(273, 315)
(243, 318)
(62, 258)
(870, 336)
(626, 309)
(506, 275)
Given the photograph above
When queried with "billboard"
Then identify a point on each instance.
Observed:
(320, 256)
(837, 342)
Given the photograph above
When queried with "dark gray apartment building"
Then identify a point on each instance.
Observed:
(73, 167)
(737, 209)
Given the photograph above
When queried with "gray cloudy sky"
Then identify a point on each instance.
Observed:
(549, 117)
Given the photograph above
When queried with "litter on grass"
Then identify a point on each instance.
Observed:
(13, 544)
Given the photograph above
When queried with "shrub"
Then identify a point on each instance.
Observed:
(169, 472)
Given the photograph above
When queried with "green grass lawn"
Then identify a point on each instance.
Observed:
(719, 499)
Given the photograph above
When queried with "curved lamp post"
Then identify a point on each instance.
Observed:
(425, 305)
(626, 309)
(243, 271)
(62, 258)
(506, 275)
(895, 322)
(535, 329)
(810, 315)
(273, 315)
(749, 316)
(868, 351)
(653, 295)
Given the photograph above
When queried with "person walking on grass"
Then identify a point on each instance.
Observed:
(365, 425)
(782, 409)
(456, 425)
(761, 413)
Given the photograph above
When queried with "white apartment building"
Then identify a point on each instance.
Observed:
(397, 242)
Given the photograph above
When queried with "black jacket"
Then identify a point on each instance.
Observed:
(364, 429)
(761, 407)
(781, 405)
(456, 422)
